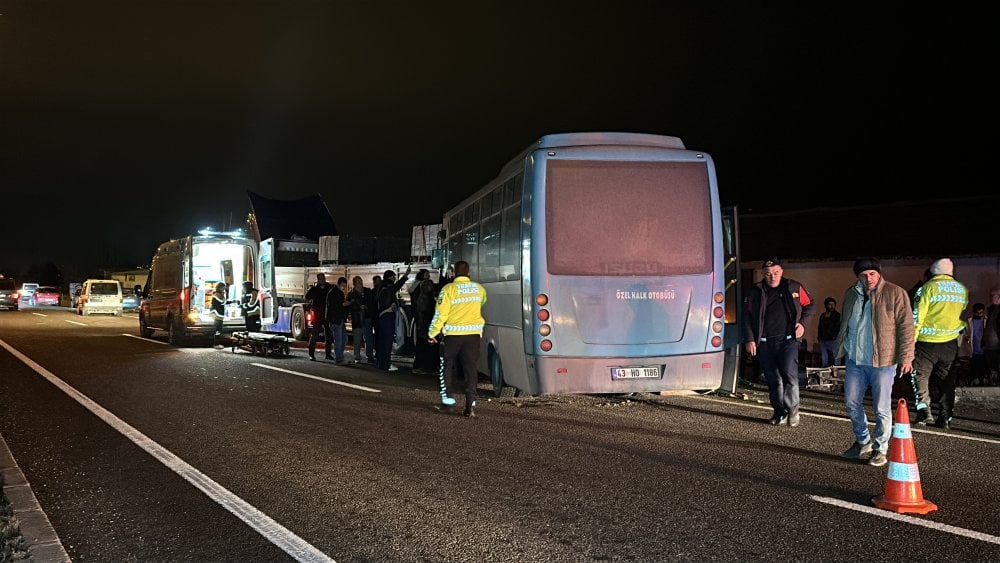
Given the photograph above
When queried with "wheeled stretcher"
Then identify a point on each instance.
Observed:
(260, 343)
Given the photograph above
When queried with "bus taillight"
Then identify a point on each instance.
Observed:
(544, 330)
(543, 315)
(546, 345)
(718, 312)
(716, 341)
(542, 300)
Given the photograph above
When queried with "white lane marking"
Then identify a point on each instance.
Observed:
(909, 519)
(872, 424)
(323, 379)
(39, 314)
(265, 525)
(145, 339)
(77, 323)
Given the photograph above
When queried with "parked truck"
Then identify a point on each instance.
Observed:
(287, 268)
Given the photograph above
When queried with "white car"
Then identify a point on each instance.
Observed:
(28, 290)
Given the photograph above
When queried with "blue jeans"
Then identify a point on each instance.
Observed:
(339, 341)
(827, 353)
(857, 379)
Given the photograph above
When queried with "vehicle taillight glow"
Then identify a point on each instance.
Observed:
(546, 345)
(543, 315)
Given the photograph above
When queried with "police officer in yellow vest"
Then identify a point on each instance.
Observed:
(458, 317)
(937, 316)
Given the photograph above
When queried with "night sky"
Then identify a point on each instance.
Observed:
(125, 124)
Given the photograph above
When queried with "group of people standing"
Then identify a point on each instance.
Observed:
(447, 325)
(882, 334)
(372, 312)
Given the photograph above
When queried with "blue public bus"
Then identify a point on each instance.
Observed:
(603, 258)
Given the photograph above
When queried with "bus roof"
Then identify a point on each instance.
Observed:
(561, 140)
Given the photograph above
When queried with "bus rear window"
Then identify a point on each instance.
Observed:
(628, 218)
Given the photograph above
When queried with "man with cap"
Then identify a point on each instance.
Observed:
(777, 310)
(876, 335)
(937, 319)
(386, 320)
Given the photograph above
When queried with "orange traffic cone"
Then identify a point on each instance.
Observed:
(902, 484)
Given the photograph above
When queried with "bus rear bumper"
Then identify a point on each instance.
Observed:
(558, 375)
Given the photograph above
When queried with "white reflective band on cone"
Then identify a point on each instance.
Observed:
(903, 472)
(901, 431)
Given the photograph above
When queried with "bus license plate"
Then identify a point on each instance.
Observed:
(636, 372)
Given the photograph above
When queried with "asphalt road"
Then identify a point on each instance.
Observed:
(140, 451)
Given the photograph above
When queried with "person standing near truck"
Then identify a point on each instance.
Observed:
(250, 303)
(337, 309)
(316, 296)
(387, 307)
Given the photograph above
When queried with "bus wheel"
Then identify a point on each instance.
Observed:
(297, 324)
(496, 376)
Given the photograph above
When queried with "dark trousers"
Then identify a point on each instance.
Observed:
(253, 323)
(368, 333)
(324, 326)
(217, 334)
(779, 360)
(461, 351)
(425, 355)
(384, 336)
(934, 359)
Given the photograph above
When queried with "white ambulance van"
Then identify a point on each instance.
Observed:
(182, 279)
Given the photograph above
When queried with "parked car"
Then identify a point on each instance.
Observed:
(100, 296)
(27, 290)
(10, 297)
(130, 300)
(45, 295)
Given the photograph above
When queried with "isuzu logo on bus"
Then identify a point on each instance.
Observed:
(632, 268)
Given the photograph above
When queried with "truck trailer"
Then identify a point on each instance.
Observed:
(288, 268)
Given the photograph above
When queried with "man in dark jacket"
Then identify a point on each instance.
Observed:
(829, 327)
(423, 297)
(316, 296)
(777, 311)
(337, 309)
(371, 320)
(386, 332)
